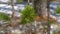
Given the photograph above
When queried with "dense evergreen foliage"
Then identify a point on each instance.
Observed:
(28, 15)
(19, 1)
(57, 11)
(4, 17)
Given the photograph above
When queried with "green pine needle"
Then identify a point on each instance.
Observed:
(4, 17)
(28, 15)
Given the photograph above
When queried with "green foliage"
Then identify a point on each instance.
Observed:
(57, 11)
(28, 15)
(51, 22)
(57, 32)
(4, 17)
(19, 1)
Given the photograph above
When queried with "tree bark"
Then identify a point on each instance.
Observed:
(12, 4)
(13, 21)
(40, 7)
(48, 22)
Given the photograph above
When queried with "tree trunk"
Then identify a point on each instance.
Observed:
(48, 22)
(12, 4)
(13, 16)
(28, 2)
(40, 7)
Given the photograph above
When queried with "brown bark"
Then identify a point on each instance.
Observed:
(40, 7)
(12, 4)
(13, 21)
